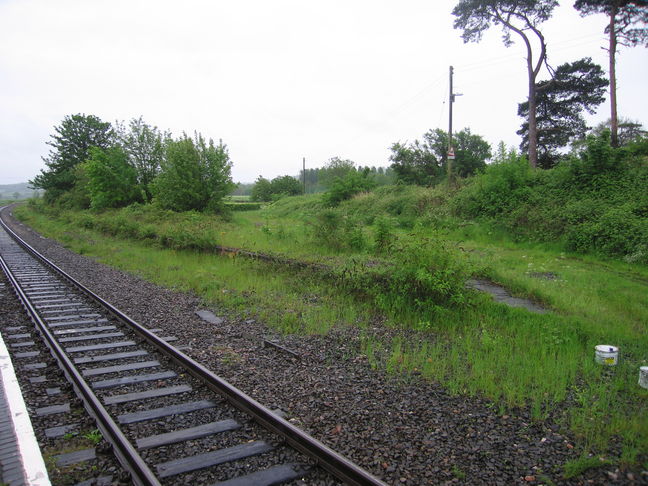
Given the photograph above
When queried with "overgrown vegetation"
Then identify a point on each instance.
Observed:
(395, 251)
(594, 202)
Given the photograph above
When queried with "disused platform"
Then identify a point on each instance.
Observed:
(21, 462)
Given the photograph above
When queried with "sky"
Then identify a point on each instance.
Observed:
(277, 80)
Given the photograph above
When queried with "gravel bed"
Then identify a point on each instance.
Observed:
(402, 429)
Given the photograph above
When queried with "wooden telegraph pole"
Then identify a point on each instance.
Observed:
(451, 153)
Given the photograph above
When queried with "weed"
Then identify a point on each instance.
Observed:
(94, 436)
(576, 467)
(457, 472)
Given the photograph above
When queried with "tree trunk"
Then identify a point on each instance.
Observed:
(614, 119)
(533, 128)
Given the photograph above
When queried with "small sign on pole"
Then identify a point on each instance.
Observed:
(451, 154)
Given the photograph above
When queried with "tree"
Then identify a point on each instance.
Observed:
(112, 181)
(144, 146)
(626, 26)
(628, 130)
(575, 87)
(265, 190)
(352, 183)
(424, 163)
(471, 151)
(71, 143)
(415, 163)
(521, 17)
(286, 185)
(195, 175)
(335, 168)
(217, 172)
(262, 190)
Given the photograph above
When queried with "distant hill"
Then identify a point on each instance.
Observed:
(16, 191)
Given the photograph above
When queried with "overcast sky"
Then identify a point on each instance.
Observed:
(275, 80)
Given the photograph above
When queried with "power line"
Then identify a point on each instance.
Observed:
(561, 45)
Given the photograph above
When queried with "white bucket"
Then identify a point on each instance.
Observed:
(606, 354)
(643, 377)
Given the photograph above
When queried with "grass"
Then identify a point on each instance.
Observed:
(474, 347)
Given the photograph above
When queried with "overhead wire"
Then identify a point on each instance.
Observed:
(479, 65)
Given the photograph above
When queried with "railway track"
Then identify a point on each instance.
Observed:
(168, 419)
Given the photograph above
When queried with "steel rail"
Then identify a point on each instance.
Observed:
(126, 454)
(330, 460)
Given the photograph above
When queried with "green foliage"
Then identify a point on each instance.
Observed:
(576, 467)
(593, 202)
(422, 274)
(463, 341)
(242, 206)
(194, 176)
(574, 88)
(425, 163)
(617, 231)
(521, 17)
(286, 186)
(599, 161)
(337, 231)
(71, 144)
(265, 190)
(504, 186)
(94, 436)
(112, 182)
(474, 17)
(144, 146)
(471, 153)
(415, 164)
(343, 188)
(336, 168)
(262, 190)
(78, 197)
(383, 236)
(630, 131)
(319, 179)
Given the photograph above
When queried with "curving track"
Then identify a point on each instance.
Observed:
(154, 405)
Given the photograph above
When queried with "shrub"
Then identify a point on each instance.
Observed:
(112, 182)
(423, 274)
(383, 236)
(343, 188)
(339, 231)
(617, 232)
(502, 188)
(195, 176)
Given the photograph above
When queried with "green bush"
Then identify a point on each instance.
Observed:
(343, 188)
(619, 231)
(502, 188)
(383, 236)
(423, 274)
(594, 201)
(338, 231)
(243, 206)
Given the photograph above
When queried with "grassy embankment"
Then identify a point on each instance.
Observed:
(472, 345)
